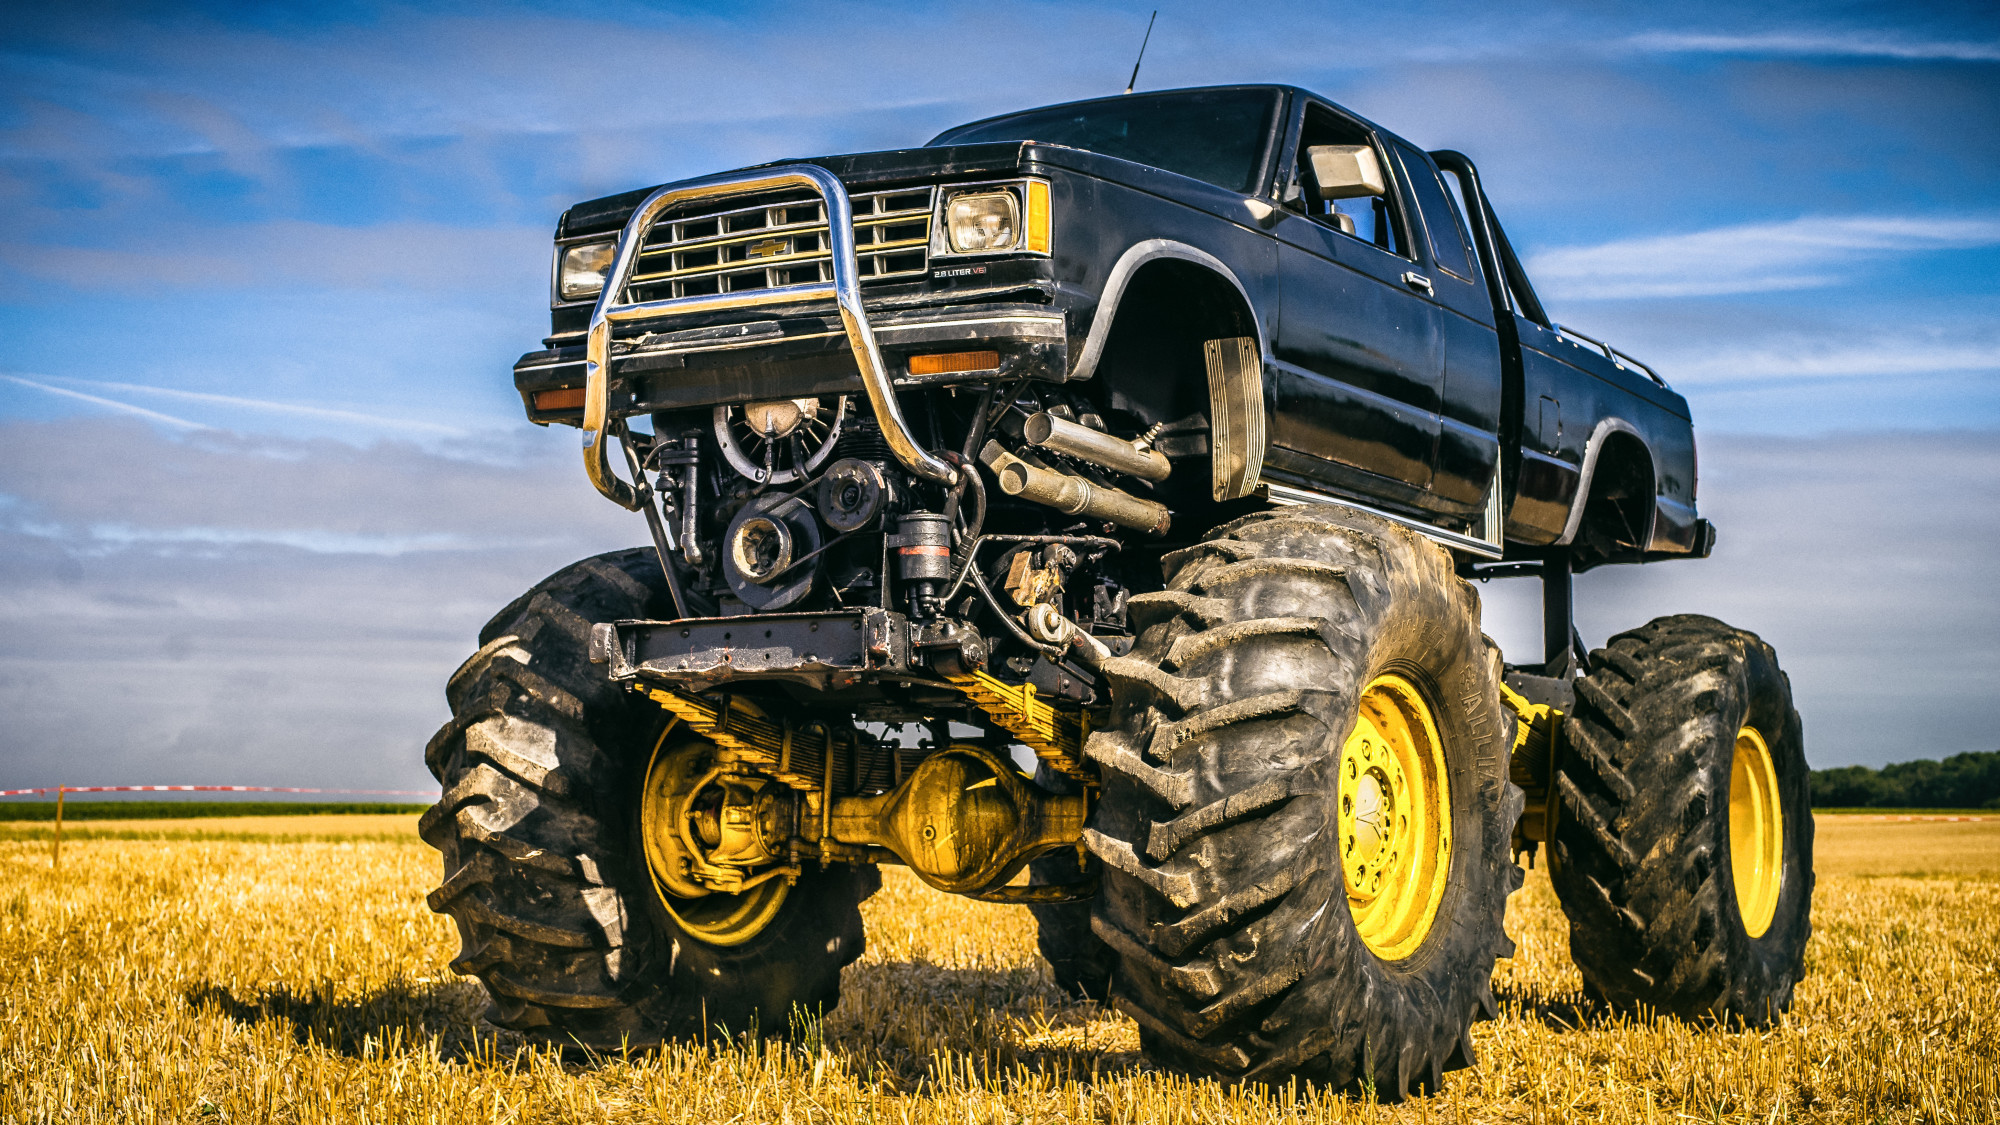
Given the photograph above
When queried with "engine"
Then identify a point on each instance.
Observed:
(792, 506)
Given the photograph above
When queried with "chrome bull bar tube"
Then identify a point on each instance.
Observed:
(845, 289)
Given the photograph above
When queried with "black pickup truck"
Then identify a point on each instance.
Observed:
(1155, 437)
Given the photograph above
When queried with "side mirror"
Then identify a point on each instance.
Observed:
(1346, 171)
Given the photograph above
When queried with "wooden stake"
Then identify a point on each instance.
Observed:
(57, 862)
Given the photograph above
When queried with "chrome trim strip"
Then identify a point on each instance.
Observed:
(664, 256)
(1051, 328)
(1054, 325)
(1288, 495)
(673, 245)
(1617, 358)
(762, 340)
(844, 289)
(878, 219)
(752, 265)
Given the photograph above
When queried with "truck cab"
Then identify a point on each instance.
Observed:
(1402, 359)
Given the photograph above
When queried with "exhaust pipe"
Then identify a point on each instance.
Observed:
(1059, 435)
(1078, 497)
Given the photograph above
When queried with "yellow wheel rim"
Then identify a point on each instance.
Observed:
(1756, 831)
(1395, 818)
(713, 917)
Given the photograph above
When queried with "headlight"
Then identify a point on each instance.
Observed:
(581, 272)
(981, 221)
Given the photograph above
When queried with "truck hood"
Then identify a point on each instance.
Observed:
(856, 170)
(943, 165)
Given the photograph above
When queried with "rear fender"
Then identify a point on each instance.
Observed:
(1613, 433)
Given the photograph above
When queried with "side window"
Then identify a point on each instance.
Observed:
(1441, 220)
(1375, 219)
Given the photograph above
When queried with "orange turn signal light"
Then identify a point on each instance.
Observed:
(1038, 217)
(562, 398)
(949, 363)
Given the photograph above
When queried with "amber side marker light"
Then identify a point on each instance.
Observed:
(562, 398)
(948, 363)
(1038, 217)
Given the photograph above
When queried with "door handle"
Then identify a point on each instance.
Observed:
(1415, 280)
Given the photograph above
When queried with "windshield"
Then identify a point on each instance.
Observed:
(1216, 136)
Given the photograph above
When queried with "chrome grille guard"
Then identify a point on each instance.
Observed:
(845, 289)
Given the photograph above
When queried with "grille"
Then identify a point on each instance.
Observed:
(781, 242)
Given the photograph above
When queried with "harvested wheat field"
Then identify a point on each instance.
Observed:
(276, 972)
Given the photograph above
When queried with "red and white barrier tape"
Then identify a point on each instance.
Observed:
(207, 789)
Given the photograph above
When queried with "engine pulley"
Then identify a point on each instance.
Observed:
(852, 493)
(763, 549)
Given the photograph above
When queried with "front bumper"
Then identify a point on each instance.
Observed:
(821, 652)
(795, 357)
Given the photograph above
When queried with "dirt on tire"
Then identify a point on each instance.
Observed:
(1224, 895)
(541, 766)
(1640, 858)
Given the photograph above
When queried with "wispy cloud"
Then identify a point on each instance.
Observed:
(1836, 44)
(51, 384)
(289, 409)
(221, 489)
(1803, 253)
(108, 404)
(399, 255)
(317, 541)
(1812, 359)
(237, 595)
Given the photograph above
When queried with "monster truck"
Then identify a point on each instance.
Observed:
(1152, 441)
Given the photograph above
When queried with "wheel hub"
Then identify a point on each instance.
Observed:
(1756, 832)
(1375, 833)
(713, 841)
(1394, 818)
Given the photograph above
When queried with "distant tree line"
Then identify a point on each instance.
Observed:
(1962, 781)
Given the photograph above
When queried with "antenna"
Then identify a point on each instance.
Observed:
(1142, 52)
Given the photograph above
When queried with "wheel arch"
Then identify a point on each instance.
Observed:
(1147, 353)
(1152, 252)
(1617, 462)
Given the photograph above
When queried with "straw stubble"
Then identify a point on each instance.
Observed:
(299, 977)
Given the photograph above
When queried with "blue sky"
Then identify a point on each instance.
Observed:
(263, 270)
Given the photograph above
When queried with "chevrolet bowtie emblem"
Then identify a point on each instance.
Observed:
(769, 248)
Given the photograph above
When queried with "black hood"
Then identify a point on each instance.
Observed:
(856, 170)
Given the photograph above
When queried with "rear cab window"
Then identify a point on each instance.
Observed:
(1450, 245)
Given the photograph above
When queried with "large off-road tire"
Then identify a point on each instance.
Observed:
(542, 764)
(1221, 828)
(1655, 880)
